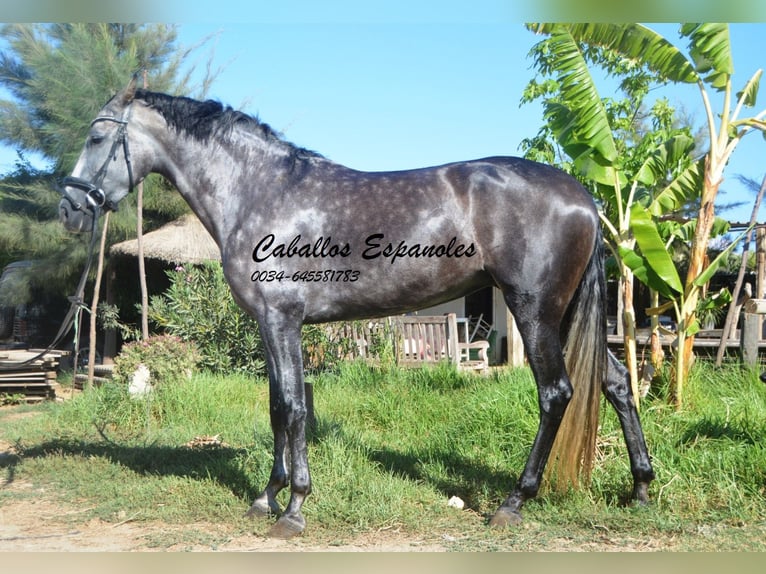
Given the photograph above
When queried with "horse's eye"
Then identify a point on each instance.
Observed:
(95, 139)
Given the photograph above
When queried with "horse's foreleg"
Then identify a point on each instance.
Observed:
(281, 337)
(618, 392)
(554, 391)
(266, 503)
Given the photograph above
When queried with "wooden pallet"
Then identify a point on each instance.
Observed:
(34, 382)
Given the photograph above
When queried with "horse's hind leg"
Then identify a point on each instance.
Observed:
(546, 359)
(617, 390)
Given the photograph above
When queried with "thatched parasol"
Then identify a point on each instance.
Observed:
(184, 240)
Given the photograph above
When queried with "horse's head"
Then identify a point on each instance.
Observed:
(103, 174)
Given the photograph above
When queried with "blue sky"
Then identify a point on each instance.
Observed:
(392, 93)
(401, 95)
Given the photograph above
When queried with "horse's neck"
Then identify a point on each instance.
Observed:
(202, 174)
(220, 182)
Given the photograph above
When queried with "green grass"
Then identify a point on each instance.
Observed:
(392, 446)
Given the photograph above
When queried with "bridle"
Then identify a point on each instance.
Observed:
(95, 202)
(95, 198)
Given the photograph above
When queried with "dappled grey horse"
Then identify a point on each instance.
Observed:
(305, 240)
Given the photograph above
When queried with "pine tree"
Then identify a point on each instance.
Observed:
(57, 77)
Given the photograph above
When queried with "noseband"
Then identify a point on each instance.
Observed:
(95, 197)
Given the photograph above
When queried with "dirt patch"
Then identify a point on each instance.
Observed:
(32, 522)
(42, 526)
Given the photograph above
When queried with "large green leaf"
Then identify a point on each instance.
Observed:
(749, 93)
(664, 159)
(635, 42)
(580, 121)
(564, 124)
(606, 175)
(644, 273)
(710, 48)
(653, 248)
(687, 185)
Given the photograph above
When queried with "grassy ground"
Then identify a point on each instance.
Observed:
(391, 448)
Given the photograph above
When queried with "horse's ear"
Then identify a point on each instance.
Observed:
(130, 92)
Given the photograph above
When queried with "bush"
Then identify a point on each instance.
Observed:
(168, 358)
(198, 307)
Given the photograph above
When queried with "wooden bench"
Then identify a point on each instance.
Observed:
(430, 339)
(417, 340)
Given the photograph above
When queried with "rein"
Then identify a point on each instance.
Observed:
(96, 202)
(75, 303)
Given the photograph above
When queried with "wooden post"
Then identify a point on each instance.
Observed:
(515, 344)
(754, 309)
(760, 262)
(141, 261)
(749, 339)
(94, 305)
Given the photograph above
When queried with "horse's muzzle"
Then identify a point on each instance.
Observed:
(72, 218)
(80, 203)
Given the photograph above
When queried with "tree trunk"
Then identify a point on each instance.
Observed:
(629, 331)
(94, 307)
(697, 262)
(658, 355)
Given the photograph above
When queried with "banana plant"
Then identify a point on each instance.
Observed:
(709, 65)
(592, 135)
(654, 267)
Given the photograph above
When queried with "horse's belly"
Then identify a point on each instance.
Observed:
(375, 292)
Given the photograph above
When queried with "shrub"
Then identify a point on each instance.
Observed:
(198, 307)
(168, 359)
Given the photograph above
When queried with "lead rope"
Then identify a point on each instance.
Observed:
(76, 304)
(76, 300)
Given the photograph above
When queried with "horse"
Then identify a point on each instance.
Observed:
(305, 240)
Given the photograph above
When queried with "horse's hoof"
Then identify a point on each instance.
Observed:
(287, 527)
(641, 494)
(262, 509)
(504, 517)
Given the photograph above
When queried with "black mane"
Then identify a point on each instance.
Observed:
(204, 120)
